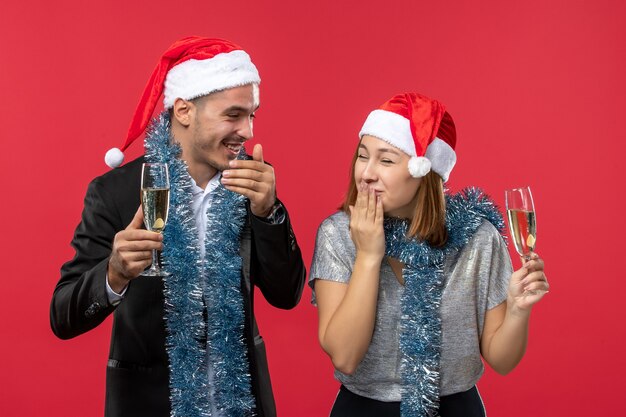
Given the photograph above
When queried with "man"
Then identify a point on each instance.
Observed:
(186, 344)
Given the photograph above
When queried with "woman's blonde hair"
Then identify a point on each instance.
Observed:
(429, 217)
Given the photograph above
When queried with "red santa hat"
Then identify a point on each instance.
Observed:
(418, 126)
(189, 68)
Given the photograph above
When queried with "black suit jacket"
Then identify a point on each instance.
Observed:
(137, 371)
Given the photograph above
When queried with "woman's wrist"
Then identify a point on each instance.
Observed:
(515, 311)
(369, 259)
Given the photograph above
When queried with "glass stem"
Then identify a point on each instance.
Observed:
(155, 260)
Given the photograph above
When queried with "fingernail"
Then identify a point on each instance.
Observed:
(225, 173)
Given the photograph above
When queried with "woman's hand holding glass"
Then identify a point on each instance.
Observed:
(528, 284)
(366, 224)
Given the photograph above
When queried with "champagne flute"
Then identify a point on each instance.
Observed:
(522, 223)
(155, 203)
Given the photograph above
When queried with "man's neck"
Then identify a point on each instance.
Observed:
(201, 173)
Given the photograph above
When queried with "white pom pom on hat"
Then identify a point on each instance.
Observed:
(191, 67)
(114, 157)
(420, 127)
(419, 166)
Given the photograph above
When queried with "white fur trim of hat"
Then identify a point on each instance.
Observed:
(396, 130)
(195, 78)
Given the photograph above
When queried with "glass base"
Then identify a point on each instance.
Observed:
(154, 272)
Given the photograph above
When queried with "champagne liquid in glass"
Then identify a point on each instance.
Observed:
(155, 203)
(523, 230)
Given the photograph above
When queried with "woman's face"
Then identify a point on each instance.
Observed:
(384, 169)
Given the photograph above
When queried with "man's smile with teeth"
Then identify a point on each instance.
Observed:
(233, 146)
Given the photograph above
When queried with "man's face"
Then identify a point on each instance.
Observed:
(219, 125)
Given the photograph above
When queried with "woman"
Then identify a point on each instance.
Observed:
(413, 286)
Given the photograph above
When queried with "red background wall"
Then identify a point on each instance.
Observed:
(537, 90)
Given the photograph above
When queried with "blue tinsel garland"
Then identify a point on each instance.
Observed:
(217, 279)
(420, 329)
(226, 344)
